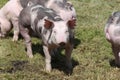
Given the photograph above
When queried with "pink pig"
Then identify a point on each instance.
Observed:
(9, 16)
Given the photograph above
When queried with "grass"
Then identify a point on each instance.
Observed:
(92, 55)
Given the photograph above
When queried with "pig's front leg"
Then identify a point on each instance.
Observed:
(2, 35)
(116, 51)
(47, 58)
(15, 28)
(25, 33)
(68, 52)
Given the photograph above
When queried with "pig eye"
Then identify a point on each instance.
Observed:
(66, 32)
(54, 32)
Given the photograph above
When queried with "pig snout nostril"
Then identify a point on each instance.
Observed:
(62, 44)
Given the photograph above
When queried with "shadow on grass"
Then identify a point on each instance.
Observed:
(76, 42)
(37, 48)
(58, 60)
(113, 64)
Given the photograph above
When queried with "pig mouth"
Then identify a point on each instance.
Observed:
(62, 44)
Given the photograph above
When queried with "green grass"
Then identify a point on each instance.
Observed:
(92, 55)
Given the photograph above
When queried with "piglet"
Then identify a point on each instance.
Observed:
(53, 30)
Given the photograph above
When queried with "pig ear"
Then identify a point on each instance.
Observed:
(48, 24)
(29, 3)
(72, 23)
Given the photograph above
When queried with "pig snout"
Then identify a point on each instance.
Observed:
(62, 44)
(61, 36)
(63, 40)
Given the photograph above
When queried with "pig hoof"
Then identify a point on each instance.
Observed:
(69, 69)
(48, 71)
(69, 72)
(2, 36)
(15, 39)
(48, 68)
(30, 56)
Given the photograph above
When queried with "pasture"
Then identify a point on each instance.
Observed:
(92, 56)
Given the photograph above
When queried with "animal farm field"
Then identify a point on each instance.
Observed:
(92, 56)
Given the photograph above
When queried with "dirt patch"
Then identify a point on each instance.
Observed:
(15, 66)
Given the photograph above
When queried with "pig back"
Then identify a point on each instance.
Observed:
(38, 16)
(25, 17)
(24, 3)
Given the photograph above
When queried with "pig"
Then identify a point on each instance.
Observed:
(63, 8)
(49, 27)
(9, 16)
(112, 34)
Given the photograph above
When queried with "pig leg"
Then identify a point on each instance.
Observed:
(16, 29)
(116, 52)
(47, 58)
(1, 35)
(25, 33)
(68, 51)
(5, 27)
